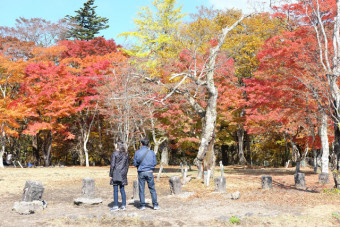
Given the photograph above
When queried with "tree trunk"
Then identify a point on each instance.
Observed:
(35, 146)
(324, 143)
(240, 137)
(337, 142)
(210, 113)
(80, 151)
(2, 152)
(47, 148)
(164, 158)
(207, 137)
(315, 161)
(86, 153)
(210, 158)
(297, 167)
(156, 147)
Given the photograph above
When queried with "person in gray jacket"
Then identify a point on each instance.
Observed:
(119, 169)
(145, 161)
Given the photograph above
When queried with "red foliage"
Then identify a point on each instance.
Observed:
(82, 48)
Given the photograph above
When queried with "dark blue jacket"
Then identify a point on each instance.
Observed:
(149, 161)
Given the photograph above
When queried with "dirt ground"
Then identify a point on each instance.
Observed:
(284, 205)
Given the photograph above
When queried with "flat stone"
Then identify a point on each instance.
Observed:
(87, 201)
(24, 207)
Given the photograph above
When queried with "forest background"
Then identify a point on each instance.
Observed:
(255, 89)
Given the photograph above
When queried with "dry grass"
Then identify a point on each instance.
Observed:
(282, 205)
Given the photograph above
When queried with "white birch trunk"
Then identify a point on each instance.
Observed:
(2, 152)
(324, 143)
(86, 153)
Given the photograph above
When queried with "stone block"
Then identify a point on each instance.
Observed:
(88, 188)
(175, 185)
(135, 190)
(220, 184)
(33, 190)
(300, 181)
(266, 182)
(323, 178)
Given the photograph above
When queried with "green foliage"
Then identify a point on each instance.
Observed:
(234, 220)
(87, 22)
(336, 215)
(333, 191)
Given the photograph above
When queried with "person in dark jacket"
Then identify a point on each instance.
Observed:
(119, 166)
(145, 161)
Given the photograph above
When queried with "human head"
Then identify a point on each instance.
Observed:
(145, 142)
(120, 146)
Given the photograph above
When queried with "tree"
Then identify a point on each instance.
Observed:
(11, 74)
(87, 22)
(317, 22)
(243, 43)
(37, 30)
(156, 31)
(52, 92)
(92, 61)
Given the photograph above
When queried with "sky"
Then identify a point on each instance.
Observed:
(119, 12)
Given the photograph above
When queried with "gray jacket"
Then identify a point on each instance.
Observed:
(119, 162)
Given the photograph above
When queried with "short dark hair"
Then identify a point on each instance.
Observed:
(121, 146)
(145, 141)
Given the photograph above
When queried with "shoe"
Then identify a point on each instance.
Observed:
(142, 207)
(156, 207)
(114, 208)
(122, 208)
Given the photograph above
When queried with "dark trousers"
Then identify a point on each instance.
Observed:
(115, 195)
(148, 177)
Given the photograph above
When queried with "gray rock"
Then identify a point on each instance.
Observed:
(223, 218)
(323, 178)
(24, 207)
(249, 214)
(220, 184)
(266, 181)
(33, 190)
(175, 185)
(300, 180)
(88, 188)
(235, 195)
(87, 201)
